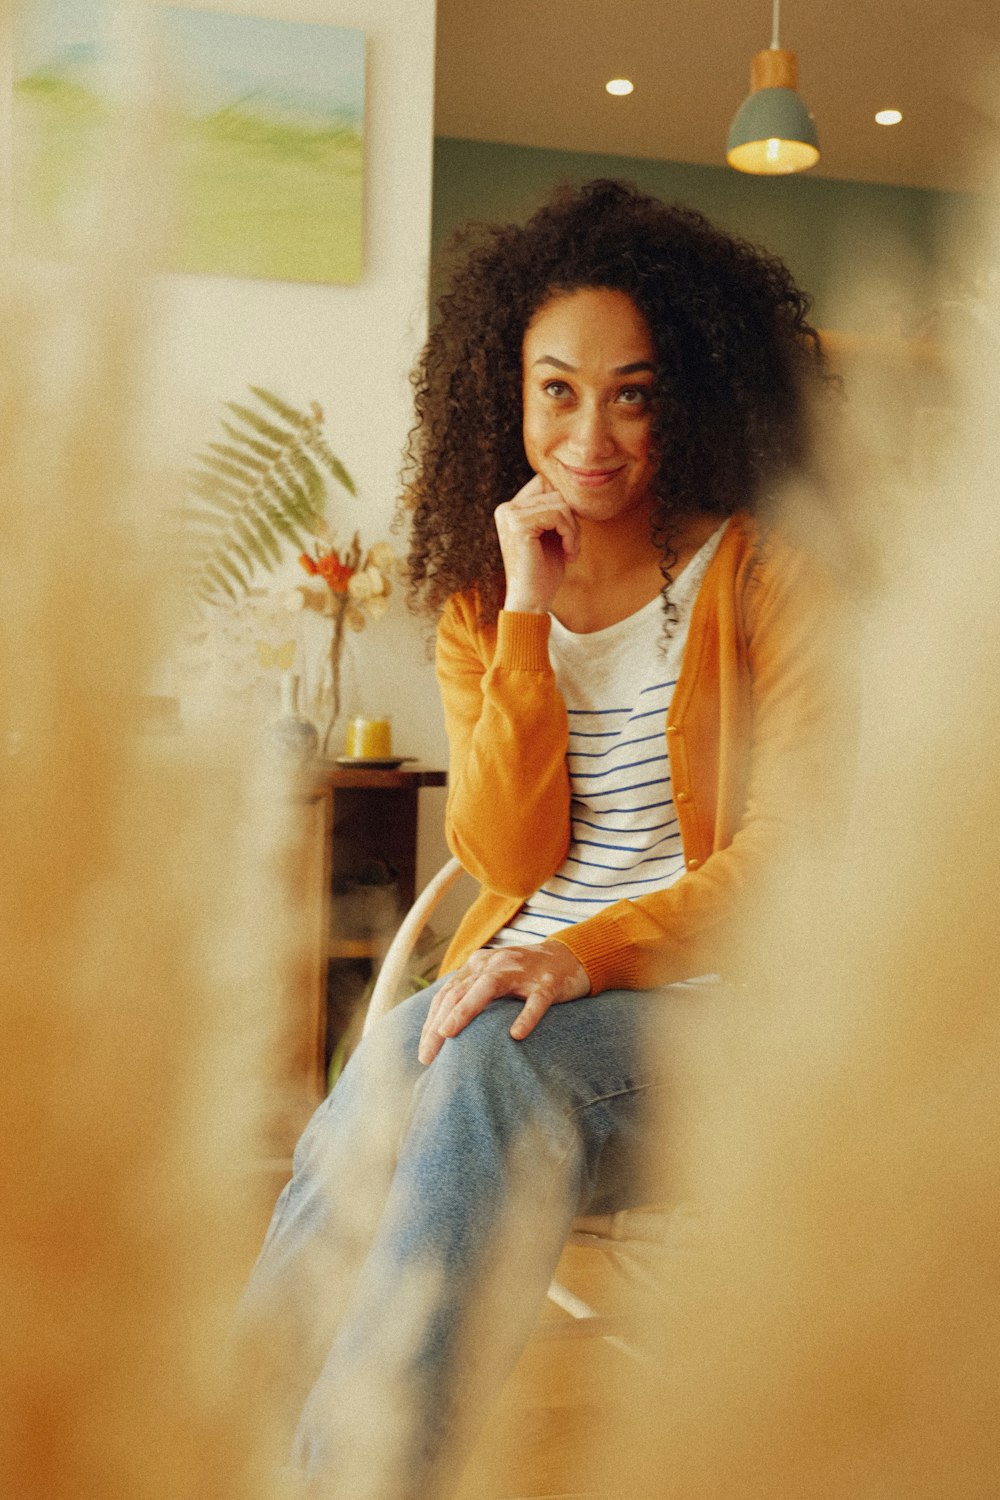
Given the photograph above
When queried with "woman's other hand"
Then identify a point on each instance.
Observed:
(539, 535)
(542, 974)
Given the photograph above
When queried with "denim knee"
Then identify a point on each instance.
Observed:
(498, 1088)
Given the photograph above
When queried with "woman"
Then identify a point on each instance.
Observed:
(631, 697)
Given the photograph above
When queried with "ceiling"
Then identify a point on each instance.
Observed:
(532, 73)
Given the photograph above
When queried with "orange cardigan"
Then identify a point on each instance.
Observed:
(748, 713)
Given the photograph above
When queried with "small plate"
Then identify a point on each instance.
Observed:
(372, 763)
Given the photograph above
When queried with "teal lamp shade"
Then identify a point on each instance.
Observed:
(773, 132)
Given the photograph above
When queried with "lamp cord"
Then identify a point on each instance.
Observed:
(776, 17)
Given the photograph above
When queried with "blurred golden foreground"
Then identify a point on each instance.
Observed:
(144, 943)
(832, 1330)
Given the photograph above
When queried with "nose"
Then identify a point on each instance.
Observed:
(590, 439)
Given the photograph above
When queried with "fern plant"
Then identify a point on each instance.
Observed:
(248, 496)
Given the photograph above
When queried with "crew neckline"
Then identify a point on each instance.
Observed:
(683, 589)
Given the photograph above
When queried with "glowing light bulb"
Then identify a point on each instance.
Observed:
(888, 117)
(619, 86)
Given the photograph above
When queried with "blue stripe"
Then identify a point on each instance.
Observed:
(635, 786)
(658, 687)
(606, 828)
(649, 854)
(622, 745)
(520, 931)
(532, 911)
(610, 885)
(617, 848)
(649, 807)
(595, 734)
(596, 712)
(596, 864)
(649, 713)
(651, 760)
(574, 901)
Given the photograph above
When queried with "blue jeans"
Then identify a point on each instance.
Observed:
(409, 1255)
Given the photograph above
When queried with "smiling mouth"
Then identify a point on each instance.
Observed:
(593, 478)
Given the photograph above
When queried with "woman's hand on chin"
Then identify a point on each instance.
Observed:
(538, 535)
(542, 974)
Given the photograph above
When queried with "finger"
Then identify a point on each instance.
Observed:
(438, 1007)
(569, 534)
(429, 1046)
(446, 995)
(471, 1004)
(439, 1025)
(431, 1037)
(536, 485)
(438, 1002)
(533, 519)
(529, 1015)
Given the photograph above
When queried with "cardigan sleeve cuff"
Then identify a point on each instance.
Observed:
(522, 642)
(599, 948)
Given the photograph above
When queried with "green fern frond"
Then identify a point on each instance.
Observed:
(266, 537)
(287, 413)
(296, 497)
(255, 494)
(213, 576)
(334, 465)
(215, 490)
(281, 522)
(257, 424)
(236, 456)
(245, 558)
(310, 476)
(215, 465)
(266, 451)
(224, 562)
(250, 541)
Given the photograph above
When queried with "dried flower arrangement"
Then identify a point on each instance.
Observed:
(263, 491)
(356, 588)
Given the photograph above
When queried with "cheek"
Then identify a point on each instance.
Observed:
(534, 435)
(644, 447)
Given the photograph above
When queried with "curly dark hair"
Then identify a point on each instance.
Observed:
(734, 355)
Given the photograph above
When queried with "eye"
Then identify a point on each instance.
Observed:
(635, 395)
(555, 388)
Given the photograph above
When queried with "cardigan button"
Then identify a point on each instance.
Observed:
(672, 729)
(693, 864)
(683, 796)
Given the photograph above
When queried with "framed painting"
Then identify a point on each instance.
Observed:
(266, 129)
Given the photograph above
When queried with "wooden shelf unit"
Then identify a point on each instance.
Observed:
(359, 815)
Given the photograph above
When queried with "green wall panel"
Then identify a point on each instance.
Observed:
(870, 256)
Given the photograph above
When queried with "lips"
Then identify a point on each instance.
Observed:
(593, 478)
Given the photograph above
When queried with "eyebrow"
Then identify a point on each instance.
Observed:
(560, 364)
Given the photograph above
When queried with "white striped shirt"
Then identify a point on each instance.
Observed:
(624, 835)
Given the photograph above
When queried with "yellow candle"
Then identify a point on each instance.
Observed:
(368, 739)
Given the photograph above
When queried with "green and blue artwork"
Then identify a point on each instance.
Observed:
(265, 123)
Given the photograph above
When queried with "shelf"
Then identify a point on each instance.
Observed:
(322, 776)
(353, 948)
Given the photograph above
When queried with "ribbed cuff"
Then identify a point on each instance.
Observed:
(599, 947)
(522, 641)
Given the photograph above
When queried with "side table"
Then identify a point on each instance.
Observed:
(348, 816)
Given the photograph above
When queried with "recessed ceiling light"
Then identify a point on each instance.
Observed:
(888, 117)
(619, 86)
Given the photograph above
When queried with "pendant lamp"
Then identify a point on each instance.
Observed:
(773, 132)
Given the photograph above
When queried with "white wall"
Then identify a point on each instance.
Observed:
(348, 347)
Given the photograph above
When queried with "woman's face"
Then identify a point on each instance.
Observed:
(588, 363)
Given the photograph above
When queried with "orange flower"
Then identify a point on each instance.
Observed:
(336, 573)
